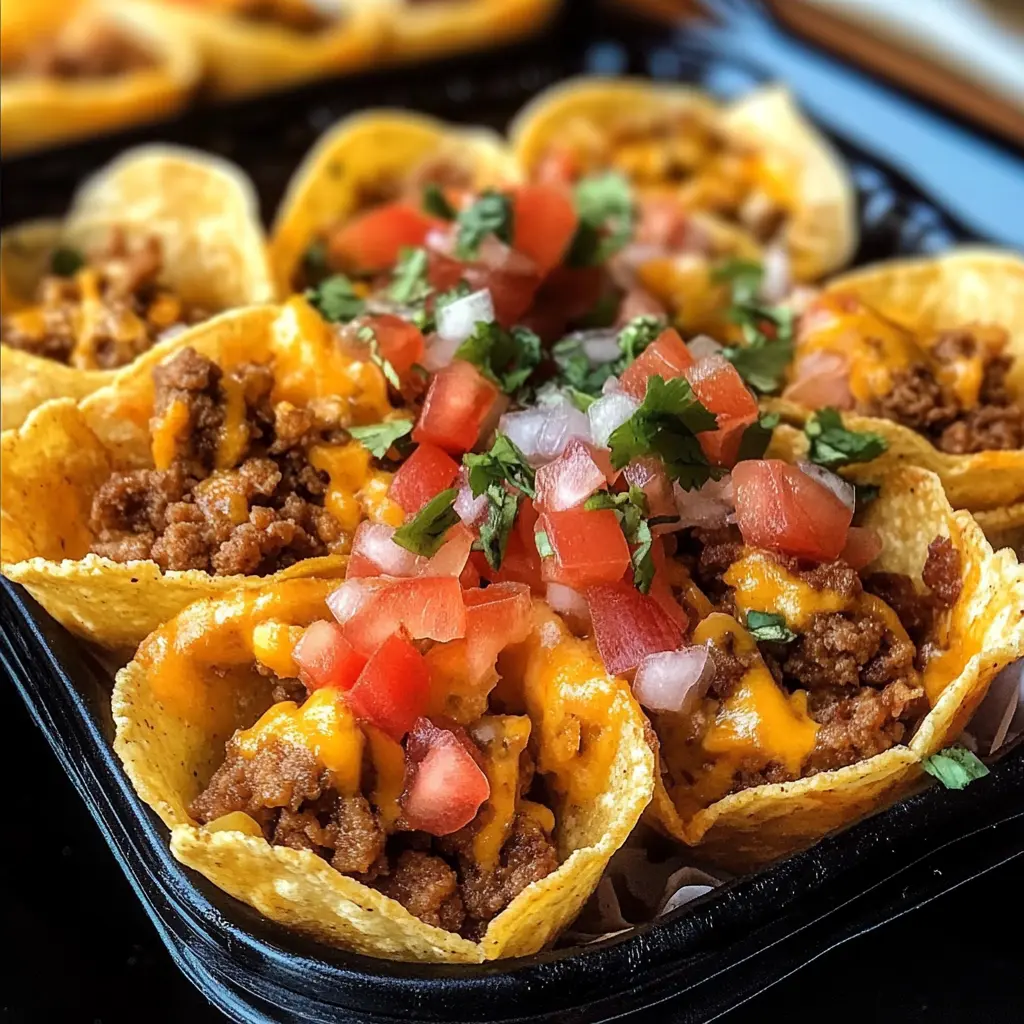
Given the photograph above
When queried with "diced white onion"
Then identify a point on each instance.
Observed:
(457, 321)
(571, 605)
(373, 542)
(610, 386)
(841, 488)
(542, 433)
(607, 414)
(349, 598)
(703, 345)
(708, 506)
(674, 680)
(600, 345)
(469, 509)
(439, 352)
(777, 279)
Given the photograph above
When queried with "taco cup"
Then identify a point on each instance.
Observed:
(252, 46)
(754, 173)
(159, 239)
(929, 353)
(78, 69)
(365, 851)
(220, 458)
(376, 163)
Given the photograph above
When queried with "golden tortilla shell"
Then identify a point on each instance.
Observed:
(54, 464)
(204, 212)
(356, 156)
(36, 112)
(928, 295)
(171, 736)
(980, 635)
(821, 229)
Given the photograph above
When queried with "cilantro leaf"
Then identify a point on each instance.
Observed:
(544, 548)
(504, 462)
(409, 283)
(377, 357)
(424, 533)
(491, 214)
(769, 626)
(743, 276)
(757, 437)
(761, 366)
(508, 358)
(502, 508)
(314, 262)
(631, 509)
(575, 370)
(636, 336)
(377, 438)
(955, 767)
(604, 205)
(435, 203)
(833, 446)
(665, 425)
(65, 261)
(335, 299)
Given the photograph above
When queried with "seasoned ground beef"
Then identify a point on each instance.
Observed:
(427, 887)
(918, 401)
(942, 573)
(261, 516)
(129, 316)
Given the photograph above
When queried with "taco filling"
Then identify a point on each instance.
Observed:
(103, 311)
(300, 16)
(950, 387)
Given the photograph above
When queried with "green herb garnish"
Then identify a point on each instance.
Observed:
(377, 438)
(66, 262)
(833, 446)
(757, 437)
(604, 205)
(436, 204)
(955, 767)
(491, 214)
(769, 627)
(335, 299)
(366, 334)
(507, 358)
(410, 278)
(424, 533)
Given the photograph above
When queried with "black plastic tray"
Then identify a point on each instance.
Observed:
(691, 966)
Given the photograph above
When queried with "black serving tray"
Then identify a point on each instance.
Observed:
(691, 966)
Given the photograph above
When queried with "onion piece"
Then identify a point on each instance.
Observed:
(821, 378)
(469, 509)
(600, 345)
(372, 543)
(457, 320)
(777, 279)
(571, 605)
(703, 345)
(348, 599)
(542, 433)
(841, 488)
(674, 680)
(438, 352)
(608, 413)
(708, 506)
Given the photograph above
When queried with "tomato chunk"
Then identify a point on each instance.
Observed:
(445, 786)
(375, 553)
(666, 357)
(720, 389)
(629, 625)
(544, 222)
(326, 658)
(393, 688)
(496, 616)
(424, 475)
(455, 407)
(573, 477)
(373, 240)
(781, 508)
(425, 607)
(401, 343)
(589, 547)
(648, 473)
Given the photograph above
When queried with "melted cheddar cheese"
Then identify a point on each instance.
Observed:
(356, 490)
(273, 645)
(167, 432)
(388, 760)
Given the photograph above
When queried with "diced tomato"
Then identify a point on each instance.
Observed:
(544, 221)
(455, 408)
(469, 578)
(863, 546)
(372, 241)
(648, 473)
(629, 625)
(781, 508)
(392, 690)
(401, 343)
(638, 302)
(666, 357)
(522, 563)
(589, 547)
(573, 477)
(663, 222)
(496, 616)
(326, 658)
(444, 272)
(445, 786)
(661, 589)
(720, 389)
(575, 290)
(375, 553)
(558, 166)
(424, 475)
(425, 607)
(512, 284)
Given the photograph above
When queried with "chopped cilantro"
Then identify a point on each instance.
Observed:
(769, 626)
(377, 438)
(66, 262)
(637, 335)
(833, 446)
(504, 462)
(574, 366)
(580, 399)
(435, 203)
(335, 299)
(502, 508)
(491, 214)
(544, 548)
(631, 508)
(757, 437)
(507, 358)
(761, 365)
(955, 767)
(377, 357)
(665, 425)
(604, 205)
(314, 262)
(409, 283)
(743, 277)
(424, 533)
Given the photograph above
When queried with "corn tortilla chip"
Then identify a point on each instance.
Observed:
(172, 727)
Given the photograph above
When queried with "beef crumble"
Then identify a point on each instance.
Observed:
(105, 315)
(84, 49)
(264, 514)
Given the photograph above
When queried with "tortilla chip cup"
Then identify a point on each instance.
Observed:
(192, 683)
(361, 154)
(968, 286)
(796, 166)
(38, 110)
(54, 464)
(202, 210)
(416, 31)
(978, 636)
